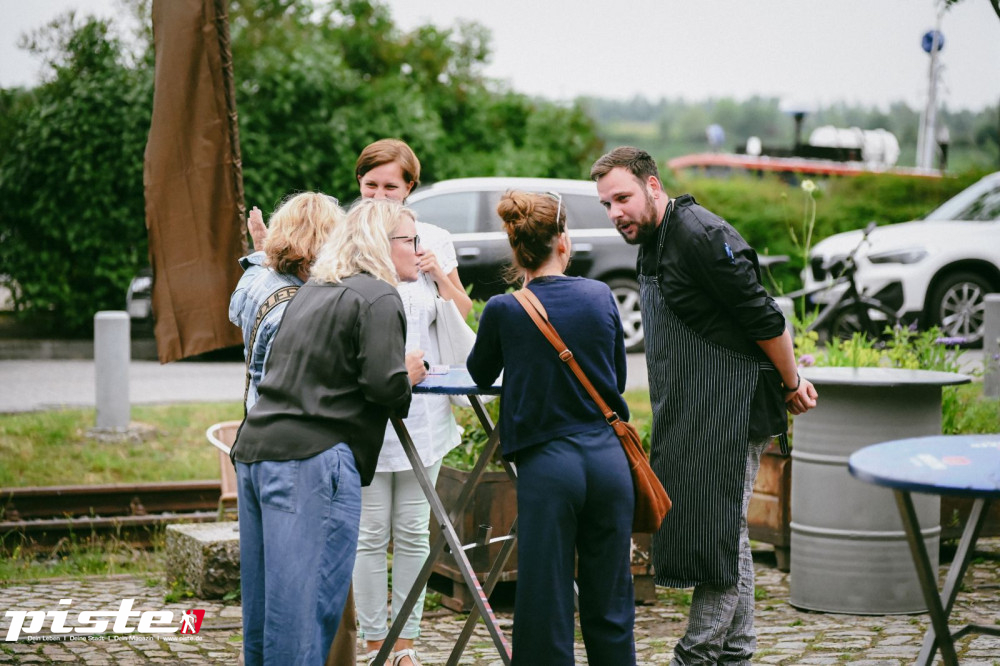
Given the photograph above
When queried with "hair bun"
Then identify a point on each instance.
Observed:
(515, 208)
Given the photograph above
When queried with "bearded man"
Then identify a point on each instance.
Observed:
(722, 373)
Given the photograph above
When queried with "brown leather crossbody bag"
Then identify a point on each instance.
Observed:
(651, 500)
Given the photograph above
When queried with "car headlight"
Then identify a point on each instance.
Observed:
(141, 284)
(905, 256)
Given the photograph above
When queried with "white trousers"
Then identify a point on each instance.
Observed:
(393, 505)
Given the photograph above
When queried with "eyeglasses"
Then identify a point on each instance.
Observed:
(415, 239)
(558, 198)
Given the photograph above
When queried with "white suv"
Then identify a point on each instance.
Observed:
(935, 271)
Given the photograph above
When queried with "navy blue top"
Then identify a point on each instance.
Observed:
(541, 398)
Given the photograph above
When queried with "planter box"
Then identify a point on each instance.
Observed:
(769, 515)
(955, 513)
(494, 503)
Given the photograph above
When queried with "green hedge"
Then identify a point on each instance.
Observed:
(770, 213)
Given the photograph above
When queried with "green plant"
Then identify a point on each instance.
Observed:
(465, 455)
(177, 592)
(964, 409)
(75, 556)
(674, 596)
(314, 81)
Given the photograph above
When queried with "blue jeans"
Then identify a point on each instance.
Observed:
(574, 497)
(298, 536)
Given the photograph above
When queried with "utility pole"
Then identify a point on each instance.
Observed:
(932, 43)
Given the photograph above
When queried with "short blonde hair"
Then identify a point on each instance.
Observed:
(298, 229)
(360, 244)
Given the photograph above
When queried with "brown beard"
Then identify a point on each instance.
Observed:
(645, 225)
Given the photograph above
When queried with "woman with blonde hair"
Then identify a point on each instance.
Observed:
(574, 491)
(299, 227)
(394, 506)
(335, 373)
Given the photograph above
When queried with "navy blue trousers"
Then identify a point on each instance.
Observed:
(574, 497)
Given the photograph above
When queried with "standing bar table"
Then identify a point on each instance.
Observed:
(457, 382)
(962, 465)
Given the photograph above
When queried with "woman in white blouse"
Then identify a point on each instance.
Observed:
(394, 503)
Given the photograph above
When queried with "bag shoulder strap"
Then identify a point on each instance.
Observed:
(536, 311)
(279, 296)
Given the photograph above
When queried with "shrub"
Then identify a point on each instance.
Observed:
(71, 227)
(964, 409)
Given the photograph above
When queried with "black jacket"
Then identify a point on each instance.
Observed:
(335, 373)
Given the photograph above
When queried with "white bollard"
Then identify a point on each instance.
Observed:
(991, 347)
(112, 354)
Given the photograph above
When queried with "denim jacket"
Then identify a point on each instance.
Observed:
(258, 282)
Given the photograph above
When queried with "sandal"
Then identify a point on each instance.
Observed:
(370, 658)
(412, 654)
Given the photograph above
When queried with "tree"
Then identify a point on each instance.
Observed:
(994, 3)
(71, 181)
(316, 82)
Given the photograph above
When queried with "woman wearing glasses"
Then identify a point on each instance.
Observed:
(394, 504)
(574, 490)
(335, 373)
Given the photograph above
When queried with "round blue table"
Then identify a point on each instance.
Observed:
(962, 465)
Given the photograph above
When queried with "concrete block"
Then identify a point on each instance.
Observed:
(204, 557)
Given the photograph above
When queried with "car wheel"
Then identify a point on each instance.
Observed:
(958, 307)
(626, 291)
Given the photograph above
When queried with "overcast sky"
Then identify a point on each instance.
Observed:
(806, 52)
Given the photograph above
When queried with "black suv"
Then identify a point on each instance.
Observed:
(467, 208)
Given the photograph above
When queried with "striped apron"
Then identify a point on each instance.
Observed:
(700, 394)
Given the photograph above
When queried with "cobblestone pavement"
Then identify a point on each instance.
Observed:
(786, 635)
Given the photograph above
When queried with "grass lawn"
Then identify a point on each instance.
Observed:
(52, 448)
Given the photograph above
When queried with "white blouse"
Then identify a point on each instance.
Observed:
(430, 422)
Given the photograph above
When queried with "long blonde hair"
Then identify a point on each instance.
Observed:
(360, 244)
(298, 229)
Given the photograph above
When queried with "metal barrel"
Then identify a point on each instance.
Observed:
(849, 552)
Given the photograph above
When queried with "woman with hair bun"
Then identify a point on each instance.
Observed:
(574, 489)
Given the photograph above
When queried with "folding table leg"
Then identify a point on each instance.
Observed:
(448, 535)
(491, 580)
(966, 548)
(927, 577)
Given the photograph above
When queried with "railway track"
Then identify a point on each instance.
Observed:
(43, 516)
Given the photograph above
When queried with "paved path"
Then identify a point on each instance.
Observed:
(32, 385)
(27, 385)
(785, 635)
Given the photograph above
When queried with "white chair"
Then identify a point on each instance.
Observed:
(222, 436)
